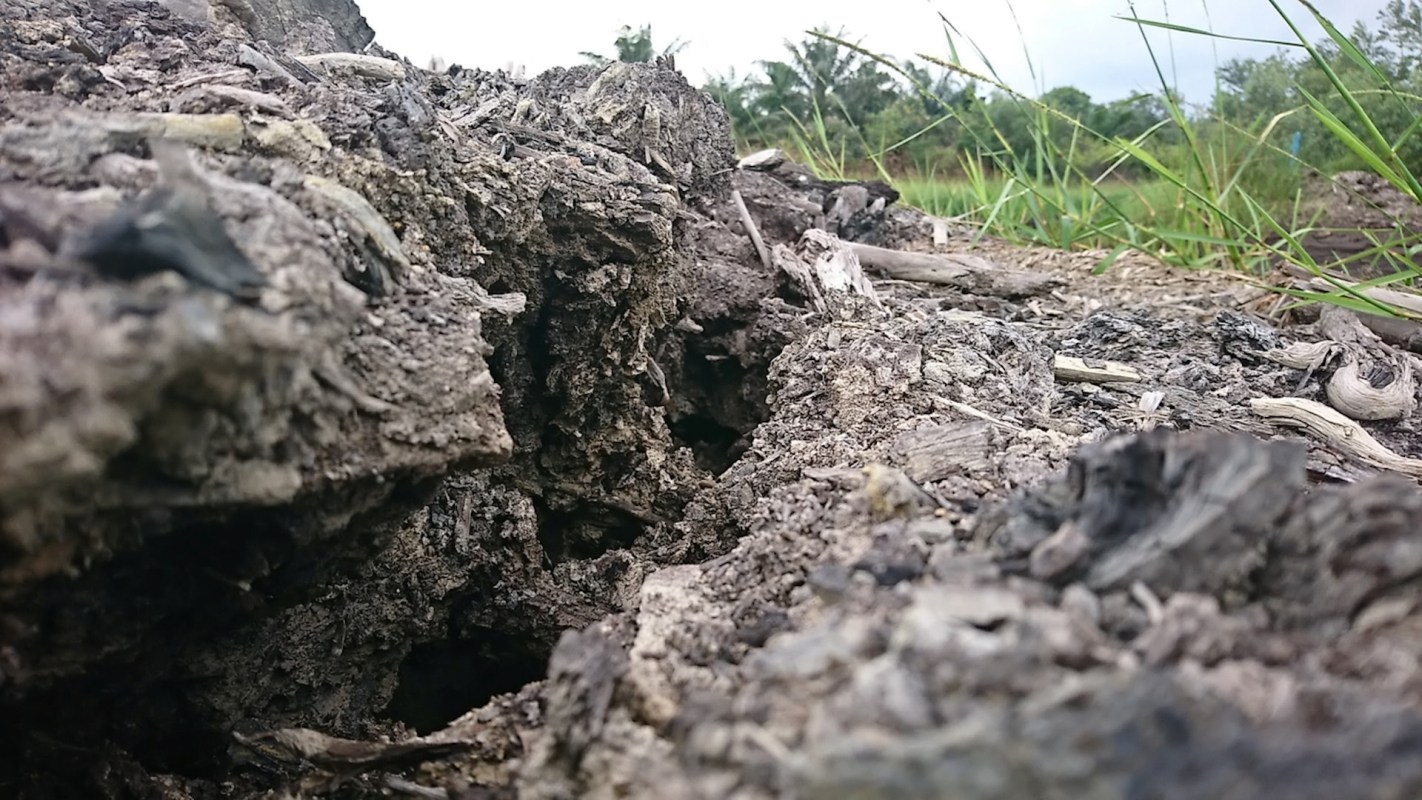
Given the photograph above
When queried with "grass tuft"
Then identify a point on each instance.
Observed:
(1196, 189)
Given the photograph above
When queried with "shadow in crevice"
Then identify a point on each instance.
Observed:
(441, 680)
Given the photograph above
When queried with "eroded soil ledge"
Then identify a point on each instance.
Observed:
(525, 476)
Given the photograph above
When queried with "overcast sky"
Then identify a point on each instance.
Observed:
(1070, 42)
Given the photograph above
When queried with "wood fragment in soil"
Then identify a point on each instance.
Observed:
(940, 232)
(330, 753)
(1071, 368)
(1369, 380)
(1374, 381)
(1336, 430)
(751, 230)
(1401, 333)
(362, 65)
(763, 160)
(1409, 302)
(959, 270)
(824, 269)
(982, 415)
(935, 452)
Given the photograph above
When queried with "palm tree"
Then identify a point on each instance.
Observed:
(735, 94)
(783, 90)
(635, 47)
(823, 66)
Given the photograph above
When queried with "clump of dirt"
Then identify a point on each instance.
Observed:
(218, 512)
(525, 475)
(1132, 621)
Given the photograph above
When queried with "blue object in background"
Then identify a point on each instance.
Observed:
(1294, 143)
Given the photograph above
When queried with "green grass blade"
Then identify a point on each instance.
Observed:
(1172, 26)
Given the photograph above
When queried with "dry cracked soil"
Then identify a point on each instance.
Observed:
(518, 470)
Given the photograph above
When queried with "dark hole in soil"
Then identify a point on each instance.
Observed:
(201, 575)
(185, 579)
(584, 532)
(718, 404)
(50, 745)
(716, 446)
(440, 681)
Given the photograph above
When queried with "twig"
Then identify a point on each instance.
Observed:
(982, 415)
(210, 77)
(1155, 610)
(1071, 368)
(398, 784)
(384, 69)
(1339, 432)
(959, 270)
(752, 230)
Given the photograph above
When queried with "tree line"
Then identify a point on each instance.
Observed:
(823, 93)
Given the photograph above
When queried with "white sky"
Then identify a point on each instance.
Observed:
(1070, 42)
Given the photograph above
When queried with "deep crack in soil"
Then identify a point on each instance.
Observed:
(525, 477)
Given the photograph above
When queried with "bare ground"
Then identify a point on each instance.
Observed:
(526, 478)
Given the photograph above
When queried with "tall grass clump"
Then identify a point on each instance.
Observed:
(1195, 189)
